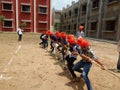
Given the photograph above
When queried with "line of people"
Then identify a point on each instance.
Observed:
(62, 43)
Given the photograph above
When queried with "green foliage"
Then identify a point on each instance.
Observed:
(56, 26)
(2, 19)
(23, 24)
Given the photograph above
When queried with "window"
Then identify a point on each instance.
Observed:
(74, 28)
(95, 4)
(25, 8)
(76, 11)
(42, 26)
(110, 25)
(65, 15)
(7, 23)
(69, 13)
(7, 6)
(84, 8)
(43, 10)
(109, 1)
(93, 26)
(57, 15)
(69, 28)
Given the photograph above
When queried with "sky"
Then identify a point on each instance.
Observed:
(59, 4)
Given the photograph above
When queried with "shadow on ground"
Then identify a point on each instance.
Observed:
(78, 85)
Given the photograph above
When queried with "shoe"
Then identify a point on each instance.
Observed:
(81, 76)
(75, 80)
(117, 70)
(39, 43)
(81, 71)
(64, 68)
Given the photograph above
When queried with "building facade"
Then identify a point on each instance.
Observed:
(56, 15)
(101, 18)
(35, 13)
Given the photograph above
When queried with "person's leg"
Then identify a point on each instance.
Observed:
(63, 56)
(70, 66)
(20, 37)
(52, 48)
(41, 42)
(78, 65)
(58, 47)
(51, 45)
(86, 70)
(44, 43)
(70, 69)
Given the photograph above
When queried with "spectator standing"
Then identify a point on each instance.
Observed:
(20, 32)
(80, 32)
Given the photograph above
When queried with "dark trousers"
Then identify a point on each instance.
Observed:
(59, 47)
(70, 61)
(86, 68)
(51, 46)
(41, 42)
(20, 37)
(45, 43)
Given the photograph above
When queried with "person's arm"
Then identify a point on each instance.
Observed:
(100, 63)
(75, 53)
(22, 30)
(84, 57)
(97, 62)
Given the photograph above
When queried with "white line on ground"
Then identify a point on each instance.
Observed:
(10, 61)
(18, 49)
(5, 78)
(14, 55)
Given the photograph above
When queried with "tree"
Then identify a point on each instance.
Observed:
(23, 24)
(56, 26)
(2, 18)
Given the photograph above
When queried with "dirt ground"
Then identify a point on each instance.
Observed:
(26, 66)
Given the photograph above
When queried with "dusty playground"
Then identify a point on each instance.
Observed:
(26, 66)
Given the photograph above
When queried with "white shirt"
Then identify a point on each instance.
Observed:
(80, 34)
(19, 31)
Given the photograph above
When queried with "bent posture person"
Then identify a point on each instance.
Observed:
(87, 58)
(75, 51)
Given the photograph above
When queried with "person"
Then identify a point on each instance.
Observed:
(88, 57)
(74, 49)
(59, 40)
(19, 31)
(64, 44)
(45, 40)
(41, 38)
(53, 39)
(80, 32)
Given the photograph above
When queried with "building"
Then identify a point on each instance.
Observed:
(56, 15)
(101, 18)
(35, 13)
